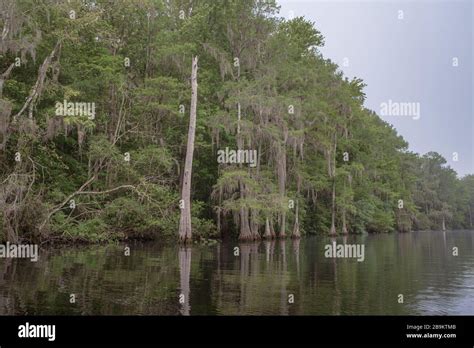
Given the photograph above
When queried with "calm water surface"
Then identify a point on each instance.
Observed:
(259, 281)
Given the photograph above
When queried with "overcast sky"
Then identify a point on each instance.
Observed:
(407, 60)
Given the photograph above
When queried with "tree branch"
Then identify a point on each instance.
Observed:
(106, 191)
(38, 86)
(59, 207)
(5, 76)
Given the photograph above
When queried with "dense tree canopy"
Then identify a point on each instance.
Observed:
(324, 164)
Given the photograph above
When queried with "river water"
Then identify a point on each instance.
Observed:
(282, 277)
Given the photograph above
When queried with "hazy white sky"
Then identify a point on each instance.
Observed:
(407, 60)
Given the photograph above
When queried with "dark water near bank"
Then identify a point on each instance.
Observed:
(419, 265)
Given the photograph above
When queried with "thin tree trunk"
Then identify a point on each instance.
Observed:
(185, 219)
(470, 216)
(344, 221)
(296, 228)
(281, 187)
(219, 227)
(245, 232)
(333, 232)
(272, 229)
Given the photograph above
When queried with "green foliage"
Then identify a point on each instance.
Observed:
(142, 111)
(93, 230)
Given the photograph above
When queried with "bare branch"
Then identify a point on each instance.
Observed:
(59, 207)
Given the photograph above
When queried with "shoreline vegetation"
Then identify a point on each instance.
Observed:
(152, 92)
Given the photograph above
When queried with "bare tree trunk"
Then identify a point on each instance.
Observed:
(444, 224)
(344, 223)
(272, 229)
(185, 219)
(296, 228)
(281, 188)
(345, 230)
(245, 233)
(333, 232)
(267, 234)
(254, 224)
(470, 216)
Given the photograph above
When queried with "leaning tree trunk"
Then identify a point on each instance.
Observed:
(185, 219)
